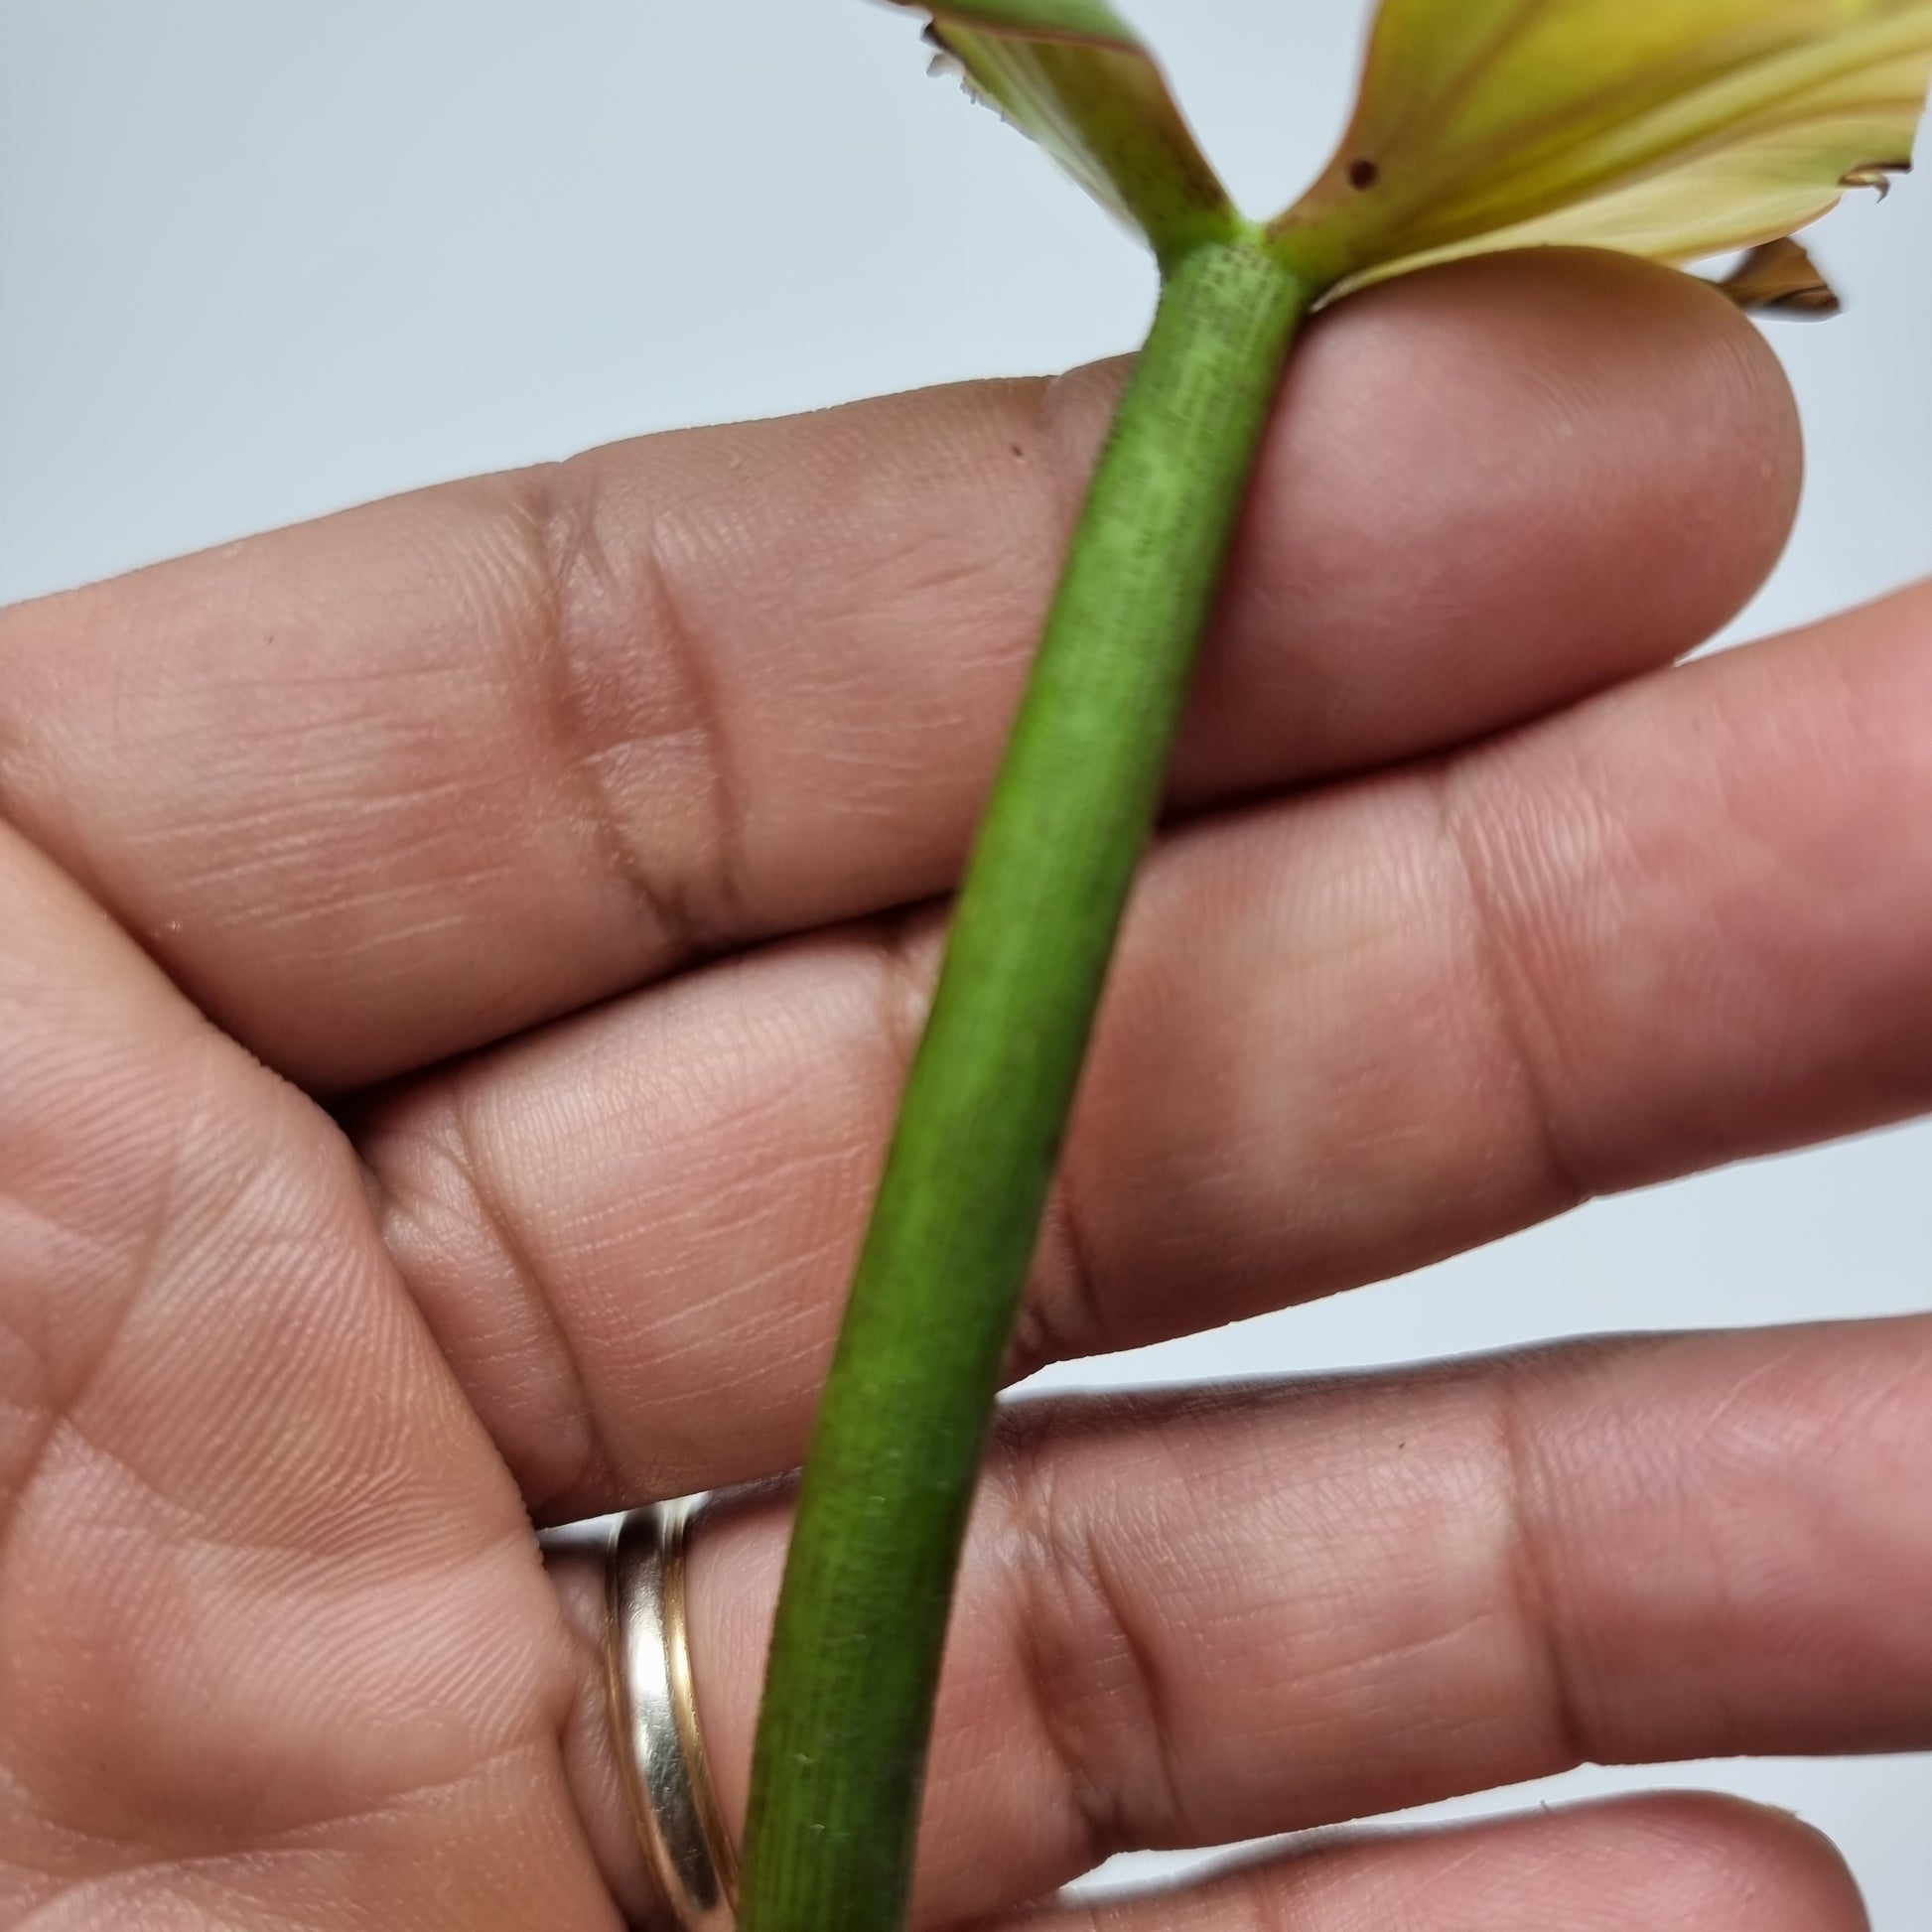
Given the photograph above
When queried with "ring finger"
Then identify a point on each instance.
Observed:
(1191, 1620)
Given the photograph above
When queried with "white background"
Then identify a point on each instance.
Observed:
(261, 259)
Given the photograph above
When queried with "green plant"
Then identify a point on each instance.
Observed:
(1676, 131)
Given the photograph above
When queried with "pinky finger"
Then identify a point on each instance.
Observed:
(1666, 1863)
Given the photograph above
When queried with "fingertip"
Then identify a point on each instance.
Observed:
(1490, 489)
(1654, 374)
(1643, 360)
(1724, 1859)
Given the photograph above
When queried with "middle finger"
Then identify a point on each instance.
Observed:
(1346, 1035)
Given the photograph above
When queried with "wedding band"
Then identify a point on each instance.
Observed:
(659, 1752)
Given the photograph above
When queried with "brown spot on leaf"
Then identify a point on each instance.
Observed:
(1363, 172)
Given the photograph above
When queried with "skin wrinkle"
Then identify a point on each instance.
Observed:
(1023, 1477)
(1163, 1759)
(1704, 1438)
(715, 904)
(1063, 1315)
(1061, 1568)
(285, 1582)
(596, 1458)
(233, 1234)
(69, 1398)
(147, 1856)
(562, 522)
(1727, 1720)
(1525, 1581)
(255, 1853)
(1491, 962)
(240, 1835)
(394, 1213)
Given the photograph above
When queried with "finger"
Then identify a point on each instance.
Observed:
(1649, 1864)
(1346, 1035)
(274, 1647)
(409, 780)
(1191, 1619)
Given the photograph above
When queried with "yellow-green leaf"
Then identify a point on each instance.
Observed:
(1074, 75)
(1668, 128)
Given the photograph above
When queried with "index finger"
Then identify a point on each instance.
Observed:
(391, 785)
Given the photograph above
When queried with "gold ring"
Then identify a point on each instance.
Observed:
(659, 1751)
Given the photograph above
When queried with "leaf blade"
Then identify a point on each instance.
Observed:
(1074, 77)
(1670, 130)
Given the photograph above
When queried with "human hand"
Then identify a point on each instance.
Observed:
(398, 799)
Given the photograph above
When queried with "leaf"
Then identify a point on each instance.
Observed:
(1779, 278)
(1668, 128)
(1073, 75)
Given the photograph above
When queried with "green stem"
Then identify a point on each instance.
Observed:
(855, 1656)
